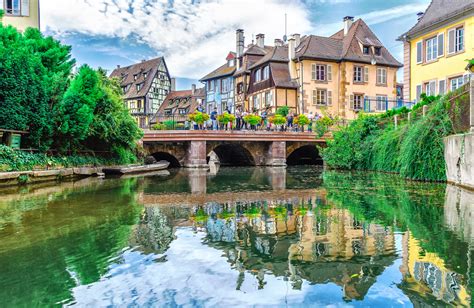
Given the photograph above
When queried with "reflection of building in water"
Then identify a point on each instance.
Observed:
(459, 212)
(426, 273)
(302, 239)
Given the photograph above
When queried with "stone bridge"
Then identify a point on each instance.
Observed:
(193, 149)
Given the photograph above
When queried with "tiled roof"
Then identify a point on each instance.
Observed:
(224, 70)
(281, 75)
(276, 54)
(339, 47)
(176, 100)
(127, 79)
(439, 11)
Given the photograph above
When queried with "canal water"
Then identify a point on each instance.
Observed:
(237, 237)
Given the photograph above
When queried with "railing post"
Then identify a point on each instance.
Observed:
(471, 108)
(395, 120)
(425, 110)
(409, 117)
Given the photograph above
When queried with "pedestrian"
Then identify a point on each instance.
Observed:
(244, 114)
(289, 119)
(263, 115)
(214, 119)
(238, 118)
(310, 118)
(200, 108)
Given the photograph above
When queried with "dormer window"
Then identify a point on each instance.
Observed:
(378, 51)
(135, 77)
(258, 76)
(139, 87)
(145, 74)
(366, 50)
(266, 73)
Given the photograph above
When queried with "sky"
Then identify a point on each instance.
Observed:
(195, 36)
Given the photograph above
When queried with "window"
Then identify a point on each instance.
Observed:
(419, 52)
(378, 51)
(258, 75)
(455, 40)
(135, 77)
(381, 102)
(381, 76)
(430, 88)
(16, 7)
(320, 97)
(139, 87)
(182, 111)
(356, 101)
(358, 74)
(268, 98)
(240, 88)
(139, 104)
(145, 74)
(318, 72)
(142, 122)
(442, 87)
(441, 45)
(456, 82)
(418, 92)
(431, 49)
(266, 73)
(366, 50)
(209, 85)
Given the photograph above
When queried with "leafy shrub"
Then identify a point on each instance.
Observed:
(252, 119)
(283, 111)
(169, 124)
(322, 125)
(226, 118)
(198, 117)
(159, 126)
(301, 120)
(277, 119)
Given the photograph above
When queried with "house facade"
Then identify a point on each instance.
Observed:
(341, 75)
(219, 86)
(179, 104)
(270, 85)
(436, 47)
(145, 86)
(21, 14)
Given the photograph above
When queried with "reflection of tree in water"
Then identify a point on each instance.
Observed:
(154, 233)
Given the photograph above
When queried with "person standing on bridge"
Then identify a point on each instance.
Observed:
(238, 118)
(214, 119)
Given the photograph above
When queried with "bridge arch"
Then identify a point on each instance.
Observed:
(174, 162)
(232, 154)
(303, 154)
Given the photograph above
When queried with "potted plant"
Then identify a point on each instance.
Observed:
(283, 111)
(301, 120)
(198, 118)
(225, 119)
(278, 120)
(253, 120)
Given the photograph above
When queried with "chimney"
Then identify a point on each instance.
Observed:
(143, 60)
(173, 84)
(118, 65)
(297, 37)
(291, 56)
(239, 36)
(278, 42)
(261, 40)
(348, 20)
(420, 15)
(193, 89)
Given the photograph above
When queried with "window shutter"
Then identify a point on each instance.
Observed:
(315, 93)
(433, 87)
(352, 101)
(441, 45)
(418, 92)
(451, 41)
(366, 74)
(329, 97)
(25, 7)
(442, 87)
(419, 52)
(329, 72)
(313, 72)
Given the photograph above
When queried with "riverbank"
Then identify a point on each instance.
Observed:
(407, 142)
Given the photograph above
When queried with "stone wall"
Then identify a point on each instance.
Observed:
(459, 156)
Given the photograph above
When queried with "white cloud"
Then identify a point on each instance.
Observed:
(194, 36)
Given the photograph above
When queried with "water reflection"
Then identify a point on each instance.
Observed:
(241, 236)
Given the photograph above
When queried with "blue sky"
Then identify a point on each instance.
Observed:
(196, 35)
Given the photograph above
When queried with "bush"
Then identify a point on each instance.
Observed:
(198, 117)
(322, 125)
(277, 119)
(283, 111)
(169, 124)
(159, 126)
(414, 150)
(226, 118)
(301, 120)
(252, 119)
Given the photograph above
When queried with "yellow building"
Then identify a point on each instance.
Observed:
(435, 49)
(341, 75)
(21, 14)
